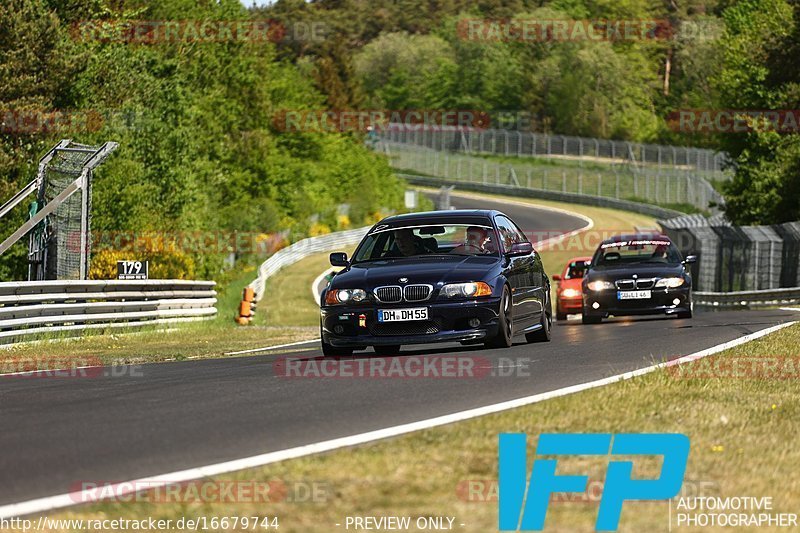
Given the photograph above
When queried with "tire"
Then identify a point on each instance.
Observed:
(390, 349)
(560, 315)
(542, 334)
(505, 331)
(589, 319)
(687, 314)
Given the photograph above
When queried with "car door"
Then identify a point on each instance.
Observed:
(537, 279)
(519, 272)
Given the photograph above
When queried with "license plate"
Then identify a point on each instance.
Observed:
(633, 295)
(402, 315)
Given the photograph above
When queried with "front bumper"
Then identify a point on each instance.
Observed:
(570, 305)
(662, 301)
(448, 321)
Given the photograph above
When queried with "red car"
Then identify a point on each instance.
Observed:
(569, 296)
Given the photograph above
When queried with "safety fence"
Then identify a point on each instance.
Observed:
(738, 258)
(28, 308)
(621, 182)
(582, 150)
(299, 250)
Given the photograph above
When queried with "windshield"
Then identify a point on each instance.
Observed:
(438, 239)
(636, 251)
(576, 269)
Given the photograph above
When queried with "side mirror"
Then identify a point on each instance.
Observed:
(556, 277)
(339, 259)
(690, 259)
(521, 248)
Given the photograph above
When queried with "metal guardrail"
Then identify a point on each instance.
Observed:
(738, 258)
(299, 250)
(747, 299)
(36, 307)
(584, 199)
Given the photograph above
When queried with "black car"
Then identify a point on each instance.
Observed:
(638, 274)
(464, 275)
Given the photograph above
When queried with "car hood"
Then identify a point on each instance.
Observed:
(572, 283)
(641, 270)
(430, 270)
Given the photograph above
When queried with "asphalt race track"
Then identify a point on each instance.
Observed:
(173, 416)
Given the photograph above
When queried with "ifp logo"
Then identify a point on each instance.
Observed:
(520, 514)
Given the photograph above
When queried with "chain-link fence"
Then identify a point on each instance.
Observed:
(738, 258)
(581, 150)
(666, 187)
(59, 221)
(63, 258)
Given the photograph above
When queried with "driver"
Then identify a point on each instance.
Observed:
(475, 242)
(660, 253)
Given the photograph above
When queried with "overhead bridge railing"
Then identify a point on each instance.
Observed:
(45, 307)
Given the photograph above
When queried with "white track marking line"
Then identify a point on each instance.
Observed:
(48, 371)
(119, 489)
(275, 347)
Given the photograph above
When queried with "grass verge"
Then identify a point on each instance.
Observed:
(742, 430)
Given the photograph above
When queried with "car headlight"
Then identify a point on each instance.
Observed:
(341, 296)
(570, 293)
(600, 285)
(670, 283)
(466, 290)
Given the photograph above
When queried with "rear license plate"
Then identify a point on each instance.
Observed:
(402, 315)
(633, 295)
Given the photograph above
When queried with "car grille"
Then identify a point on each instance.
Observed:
(425, 327)
(417, 293)
(631, 284)
(411, 293)
(389, 294)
